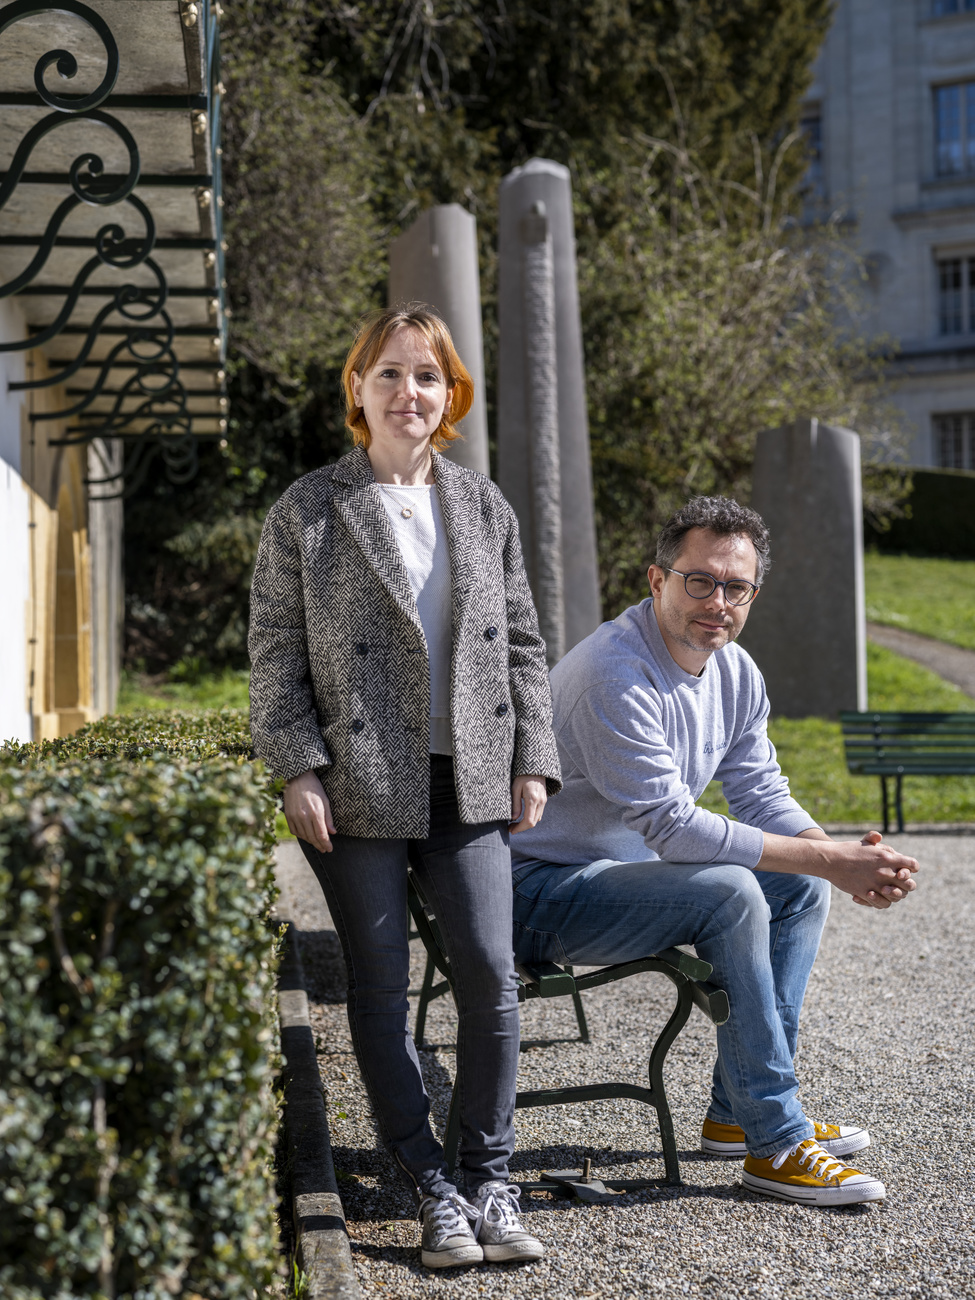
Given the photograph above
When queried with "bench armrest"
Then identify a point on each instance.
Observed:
(552, 980)
(712, 1001)
(695, 968)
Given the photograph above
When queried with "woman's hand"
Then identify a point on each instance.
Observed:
(307, 811)
(529, 796)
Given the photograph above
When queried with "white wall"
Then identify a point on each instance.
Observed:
(15, 720)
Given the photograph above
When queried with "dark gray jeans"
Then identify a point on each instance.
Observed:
(465, 873)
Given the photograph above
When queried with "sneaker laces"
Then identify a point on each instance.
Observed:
(447, 1214)
(497, 1204)
(819, 1161)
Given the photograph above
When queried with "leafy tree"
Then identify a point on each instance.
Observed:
(566, 79)
(304, 244)
(303, 262)
(705, 314)
(709, 320)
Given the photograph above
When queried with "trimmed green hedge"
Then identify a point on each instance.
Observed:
(137, 735)
(138, 1036)
(941, 516)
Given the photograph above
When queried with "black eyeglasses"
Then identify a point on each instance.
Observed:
(701, 585)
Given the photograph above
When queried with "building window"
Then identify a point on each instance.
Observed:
(941, 8)
(811, 126)
(954, 440)
(954, 128)
(956, 295)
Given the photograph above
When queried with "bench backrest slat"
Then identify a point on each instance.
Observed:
(919, 744)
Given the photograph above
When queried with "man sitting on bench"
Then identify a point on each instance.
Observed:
(648, 710)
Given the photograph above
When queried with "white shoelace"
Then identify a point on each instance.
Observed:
(498, 1207)
(820, 1163)
(449, 1214)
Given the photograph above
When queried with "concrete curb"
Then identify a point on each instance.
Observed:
(322, 1249)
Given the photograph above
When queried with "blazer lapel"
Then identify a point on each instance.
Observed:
(366, 519)
(461, 514)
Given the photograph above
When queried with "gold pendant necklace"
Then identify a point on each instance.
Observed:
(405, 511)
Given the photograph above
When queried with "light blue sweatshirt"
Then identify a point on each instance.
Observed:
(639, 740)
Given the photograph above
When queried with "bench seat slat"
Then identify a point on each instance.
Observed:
(878, 764)
(848, 715)
(923, 757)
(929, 761)
(962, 743)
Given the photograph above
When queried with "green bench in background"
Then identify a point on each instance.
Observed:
(688, 974)
(907, 744)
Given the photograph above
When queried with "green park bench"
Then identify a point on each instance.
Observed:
(907, 744)
(688, 974)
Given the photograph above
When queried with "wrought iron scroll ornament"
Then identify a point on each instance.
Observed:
(166, 425)
(67, 64)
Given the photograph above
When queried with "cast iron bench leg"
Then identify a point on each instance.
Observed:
(665, 1040)
(424, 1002)
(900, 806)
(657, 1093)
(580, 1013)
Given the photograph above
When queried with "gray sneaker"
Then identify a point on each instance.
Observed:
(498, 1228)
(447, 1237)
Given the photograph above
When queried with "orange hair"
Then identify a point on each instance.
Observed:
(373, 335)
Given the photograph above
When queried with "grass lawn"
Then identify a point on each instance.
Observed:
(810, 751)
(214, 691)
(933, 597)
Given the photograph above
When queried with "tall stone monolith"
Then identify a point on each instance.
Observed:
(807, 628)
(435, 262)
(543, 430)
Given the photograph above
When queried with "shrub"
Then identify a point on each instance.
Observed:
(940, 518)
(137, 1029)
(138, 735)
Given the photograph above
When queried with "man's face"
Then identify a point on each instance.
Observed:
(694, 629)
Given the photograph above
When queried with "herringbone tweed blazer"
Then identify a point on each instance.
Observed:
(340, 678)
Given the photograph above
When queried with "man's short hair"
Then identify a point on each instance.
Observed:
(719, 515)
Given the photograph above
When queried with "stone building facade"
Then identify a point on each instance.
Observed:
(61, 597)
(112, 320)
(891, 119)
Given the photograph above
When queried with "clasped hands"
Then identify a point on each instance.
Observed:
(309, 813)
(894, 872)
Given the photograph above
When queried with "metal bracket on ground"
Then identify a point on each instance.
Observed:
(322, 1249)
(584, 1187)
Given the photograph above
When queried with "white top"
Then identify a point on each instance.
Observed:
(639, 740)
(422, 540)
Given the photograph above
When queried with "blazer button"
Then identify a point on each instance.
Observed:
(358, 725)
(501, 710)
(362, 648)
(490, 633)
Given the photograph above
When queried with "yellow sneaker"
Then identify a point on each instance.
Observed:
(808, 1174)
(728, 1140)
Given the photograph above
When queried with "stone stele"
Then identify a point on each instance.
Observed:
(543, 431)
(435, 262)
(807, 628)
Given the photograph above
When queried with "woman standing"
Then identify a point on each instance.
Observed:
(399, 686)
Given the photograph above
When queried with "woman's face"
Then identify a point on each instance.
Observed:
(404, 395)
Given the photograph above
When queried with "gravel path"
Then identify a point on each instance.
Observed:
(886, 1042)
(951, 662)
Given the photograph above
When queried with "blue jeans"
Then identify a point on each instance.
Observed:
(465, 873)
(759, 930)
